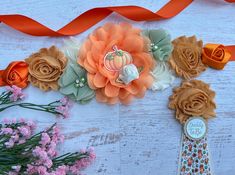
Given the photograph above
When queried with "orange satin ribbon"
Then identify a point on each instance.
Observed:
(16, 73)
(93, 16)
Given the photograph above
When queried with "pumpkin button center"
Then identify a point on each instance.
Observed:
(115, 60)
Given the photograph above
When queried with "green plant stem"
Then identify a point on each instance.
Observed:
(45, 108)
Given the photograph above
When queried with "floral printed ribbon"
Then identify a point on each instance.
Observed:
(93, 16)
(194, 157)
(194, 104)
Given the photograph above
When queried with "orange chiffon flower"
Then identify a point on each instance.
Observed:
(16, 74)
(91, 57)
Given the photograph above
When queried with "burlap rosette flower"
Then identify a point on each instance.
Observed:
(109, 49)
(186, 57)
(46, 67)
(193, 98)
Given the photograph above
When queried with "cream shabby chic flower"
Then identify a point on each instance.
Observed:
(163, 76)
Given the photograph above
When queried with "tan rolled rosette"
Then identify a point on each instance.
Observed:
(186, 57)
(215, 56)
(45, 68)
(193, 98)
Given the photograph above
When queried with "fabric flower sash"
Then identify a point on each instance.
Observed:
(117, 63)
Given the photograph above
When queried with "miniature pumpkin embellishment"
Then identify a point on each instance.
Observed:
(115, 60)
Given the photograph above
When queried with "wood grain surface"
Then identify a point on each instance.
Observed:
(143, 138)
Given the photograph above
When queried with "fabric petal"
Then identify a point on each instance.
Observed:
(99, 80)
(111, 91)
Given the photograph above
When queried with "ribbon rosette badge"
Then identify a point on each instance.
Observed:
(193, 98)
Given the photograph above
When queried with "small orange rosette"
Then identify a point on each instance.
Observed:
(16, 74)
(215, 55)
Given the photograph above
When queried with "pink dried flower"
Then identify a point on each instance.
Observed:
(10, 143)
(15, 137)
(31, 124)
(45, 139)
(17, 93)
(40, 152)
(16, 168)
(25, 131)
(61, 170)
(65, 101)
(42, 170)
(6, 131)
(63, 110)
(21, 141)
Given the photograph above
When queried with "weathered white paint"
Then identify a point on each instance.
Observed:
(143, 138)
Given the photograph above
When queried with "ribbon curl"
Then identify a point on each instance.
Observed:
(91, 17)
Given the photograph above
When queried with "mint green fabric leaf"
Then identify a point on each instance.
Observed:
(161, 46)
(73, 82)
(69, 76)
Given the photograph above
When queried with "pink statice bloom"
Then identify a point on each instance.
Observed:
(15, 137)
(51, 151)
(25, 131)
(17, 93)
(31, 124)
(40, 152)
(6, 131)
(42, 170)
(61, 170)
(56, 136)
(66, 102)
(63, 111)
(16, 168)
(45, 139)
(10, 143)
(9, 121)
(83, 163)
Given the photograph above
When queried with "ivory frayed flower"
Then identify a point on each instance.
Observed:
(186, 57)
(45, 68)
(163, 76)
(160, 46)
(193, 98)
(106, 51)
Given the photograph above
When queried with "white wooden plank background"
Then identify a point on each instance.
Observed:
(143, 138)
